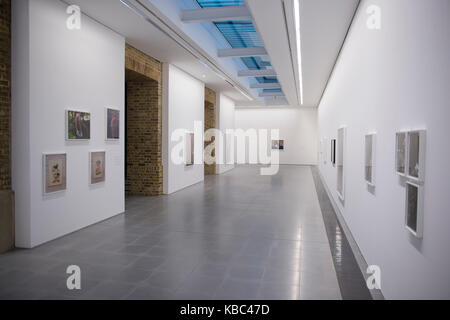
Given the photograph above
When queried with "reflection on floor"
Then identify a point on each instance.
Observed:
(236, 236)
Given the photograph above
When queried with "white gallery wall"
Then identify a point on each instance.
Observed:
(388, 80)
(297, 127)
(225, 109)
(55, 69)
(183, 106)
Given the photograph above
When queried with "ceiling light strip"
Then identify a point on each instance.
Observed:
(299, 47)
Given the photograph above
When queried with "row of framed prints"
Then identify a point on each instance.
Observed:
(55, 170)
(78, 125)
(409, 165)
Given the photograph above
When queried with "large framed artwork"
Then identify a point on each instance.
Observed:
(98, 166)
(112, 124)
(78, 125)
(277, 144)
(189, 149)
(55, 172)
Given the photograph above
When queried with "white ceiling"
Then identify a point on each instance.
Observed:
(149, 39)
(323, 25)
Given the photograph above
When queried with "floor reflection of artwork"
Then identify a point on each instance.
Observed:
(98, 167)
(55, 172)
(112, 124)
(78, 125)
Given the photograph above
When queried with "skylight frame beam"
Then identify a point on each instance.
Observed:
(242, 52)
(215, 14)
(257, 73)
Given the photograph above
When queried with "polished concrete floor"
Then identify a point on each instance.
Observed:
(235, 236)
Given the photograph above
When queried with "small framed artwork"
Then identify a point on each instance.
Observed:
(416, 155)
(370, 144)
(55, 172)
(400, 153)
(112, 117)
(414, 209)
(98, 166)
(277, 144)
(189, 149)
(78, 125)
(333, 152)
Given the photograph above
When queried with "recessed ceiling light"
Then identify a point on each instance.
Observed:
(203, 76)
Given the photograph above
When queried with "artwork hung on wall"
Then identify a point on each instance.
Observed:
(78, 125)
(416, 155)
(333, 151)
(341, 137)
(98, 166)
(55, 172)
(277, 144)
(370, 158)
(400, 153)
(112, 124)
(189, 149)
(414, 209)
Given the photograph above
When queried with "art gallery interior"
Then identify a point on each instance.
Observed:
(121, 127)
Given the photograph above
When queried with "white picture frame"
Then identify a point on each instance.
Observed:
(109, 135)
(340, 161)
(189, 149)
(94, 178)
(414, 208)
(370, 158)
(401, 152)
(415, 159)
(85, 125)
(47, 186)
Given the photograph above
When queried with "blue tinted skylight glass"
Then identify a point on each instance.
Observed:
(219, 3)
(239, 34)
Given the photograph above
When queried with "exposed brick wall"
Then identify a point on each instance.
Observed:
(144, 173)
(210, 122)
(5, 95)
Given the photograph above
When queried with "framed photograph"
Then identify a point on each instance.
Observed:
(98, 166)
(55, 172)
(333, 151)
(415, 142)
(112, 117)
(414, 209)
(340, 160)
(189, 149)
(370, 144)
(400, 153)
(78, 125)
(277, 144)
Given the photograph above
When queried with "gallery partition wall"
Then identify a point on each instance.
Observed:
(143, 170)
(390, 93)
(210, 123)
(6, 194)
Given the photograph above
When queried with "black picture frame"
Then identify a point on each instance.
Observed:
(333, 151)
